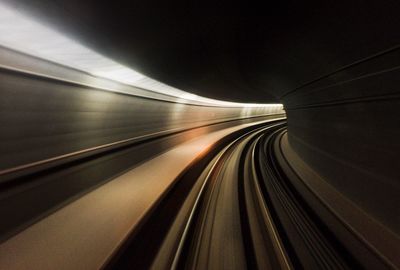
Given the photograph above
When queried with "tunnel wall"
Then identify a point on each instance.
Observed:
(346, 127)
(60, 110)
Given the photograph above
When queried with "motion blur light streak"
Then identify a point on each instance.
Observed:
(25, 34)
(102, 167)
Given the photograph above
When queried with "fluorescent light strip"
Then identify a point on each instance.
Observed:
(23, 33)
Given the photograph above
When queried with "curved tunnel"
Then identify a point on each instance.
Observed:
(196, 135)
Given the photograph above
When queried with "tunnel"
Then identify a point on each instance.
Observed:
(199, 134)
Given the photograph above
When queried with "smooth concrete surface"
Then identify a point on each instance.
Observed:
(377, 237)
(58, 110)
(346, 128)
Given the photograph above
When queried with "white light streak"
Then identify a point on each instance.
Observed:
(23, 33)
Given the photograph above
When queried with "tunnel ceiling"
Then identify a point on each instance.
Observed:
(227, 50)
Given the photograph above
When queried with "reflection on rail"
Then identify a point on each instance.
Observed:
(240, 207)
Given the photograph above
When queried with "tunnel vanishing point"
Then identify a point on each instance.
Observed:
(199, 135)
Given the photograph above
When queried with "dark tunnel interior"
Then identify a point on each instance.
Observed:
(334, 65)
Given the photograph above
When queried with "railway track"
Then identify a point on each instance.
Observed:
(237, 206)
(229, 233)
(241, 211)
(223, 223)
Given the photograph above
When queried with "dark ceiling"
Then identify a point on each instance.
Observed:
(229, 50)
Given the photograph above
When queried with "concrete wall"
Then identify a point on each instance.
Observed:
(59, 110)
(346, 127)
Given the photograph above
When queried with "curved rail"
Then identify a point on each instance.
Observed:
(244, 212)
